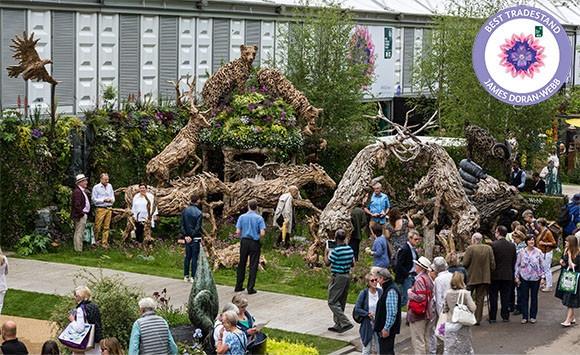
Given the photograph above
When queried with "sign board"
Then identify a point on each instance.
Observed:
(522, 55)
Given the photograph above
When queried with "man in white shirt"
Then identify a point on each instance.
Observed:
(103, 198)
(442, 284)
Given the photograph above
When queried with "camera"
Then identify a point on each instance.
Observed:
(331, 244)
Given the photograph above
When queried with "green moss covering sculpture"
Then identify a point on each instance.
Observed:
(203, 302)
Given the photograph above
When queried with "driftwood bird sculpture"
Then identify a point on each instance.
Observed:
(31, 66)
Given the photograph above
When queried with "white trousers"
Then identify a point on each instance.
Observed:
(547, 268)
(2, 294)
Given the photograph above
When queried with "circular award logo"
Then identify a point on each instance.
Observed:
(522, 55)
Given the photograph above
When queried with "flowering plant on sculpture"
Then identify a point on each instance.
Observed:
(254, 120)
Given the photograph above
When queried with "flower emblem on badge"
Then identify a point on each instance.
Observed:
(522, 55)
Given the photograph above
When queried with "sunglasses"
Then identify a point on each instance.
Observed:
(374, 280)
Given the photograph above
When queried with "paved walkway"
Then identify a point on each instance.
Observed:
(570, 190)
(290, 313)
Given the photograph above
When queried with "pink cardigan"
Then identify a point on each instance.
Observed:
(422, 283)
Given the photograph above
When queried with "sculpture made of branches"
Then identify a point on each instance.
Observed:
(247, 169)
(483, 147)
(279, 86)
(441, 186)
(170, 201)
(183, 146)
(229, 77)
(267, 192)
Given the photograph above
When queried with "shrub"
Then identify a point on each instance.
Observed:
(546, 206)
(281, 347)
(117, 303)
(33, 244)
(174, 316)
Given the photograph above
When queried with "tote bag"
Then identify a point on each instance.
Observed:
(569, 281)
(76, 341)
(440, 326)
(461, 313)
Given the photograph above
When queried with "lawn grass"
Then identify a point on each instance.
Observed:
(29, 304)
(283, 274)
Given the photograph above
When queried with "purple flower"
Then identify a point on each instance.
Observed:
(37, 133)
(252, 107)
(283, 116)
(252, 89)
(263, 89)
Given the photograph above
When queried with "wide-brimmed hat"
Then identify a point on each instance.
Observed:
(80, 177)
(423, 262)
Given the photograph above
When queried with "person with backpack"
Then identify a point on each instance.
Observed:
(571, 217)
(364, 313)
(232, 341)
(421, 309)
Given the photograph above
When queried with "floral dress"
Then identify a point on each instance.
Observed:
(236, 341)
(398, 237)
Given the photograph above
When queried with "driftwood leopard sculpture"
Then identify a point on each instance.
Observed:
(228, 77)
(279, 86)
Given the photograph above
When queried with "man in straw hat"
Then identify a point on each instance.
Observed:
(421, 307)
(81, 207)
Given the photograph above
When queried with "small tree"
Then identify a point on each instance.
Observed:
(447, 72)
(319, 62)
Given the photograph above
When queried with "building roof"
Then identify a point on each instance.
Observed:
(566, 11)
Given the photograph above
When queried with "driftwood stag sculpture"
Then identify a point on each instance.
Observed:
(183, 146)
(442, 182)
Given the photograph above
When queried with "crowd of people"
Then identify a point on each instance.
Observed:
(510, 269)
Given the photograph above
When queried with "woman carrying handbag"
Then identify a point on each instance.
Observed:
(570, 265)
(458, 336)
(85, 313)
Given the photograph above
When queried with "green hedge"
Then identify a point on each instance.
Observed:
(546, 206)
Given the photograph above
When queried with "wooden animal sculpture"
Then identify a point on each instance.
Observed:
(228, 77)
(481, 142)
(183, 146)
(267, 192)
(203, 305)
(248, 169)
(30, 65)
(279, 86)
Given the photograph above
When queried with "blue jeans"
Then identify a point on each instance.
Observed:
(407, 284)
(191, 255)
(529, 291)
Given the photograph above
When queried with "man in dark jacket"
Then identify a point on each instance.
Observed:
(359, 222)
(81, 207)
(388, 315)
(502, 277)
(191, 220)
(405, 268)
(11, 344)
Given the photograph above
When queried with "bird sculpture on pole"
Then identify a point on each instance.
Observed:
(31, 66)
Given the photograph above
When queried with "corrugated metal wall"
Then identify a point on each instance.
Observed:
(168, 44)
(408, 57)
(13, 23)
(129, 54)
(253, 37)
(221, 43)
(63, 58)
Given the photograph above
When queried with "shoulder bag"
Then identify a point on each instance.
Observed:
(461, 313)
